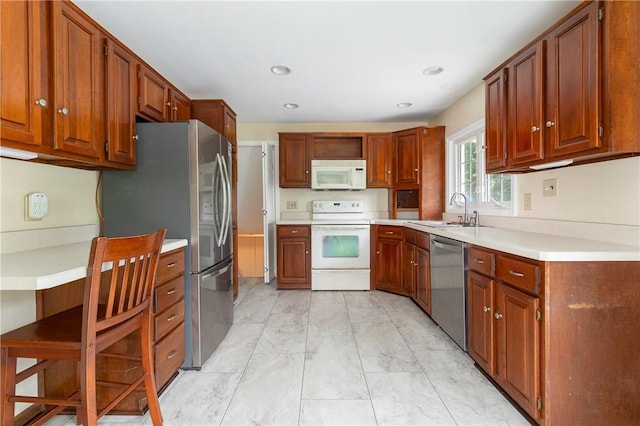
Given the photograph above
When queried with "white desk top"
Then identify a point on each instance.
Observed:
(48, 267)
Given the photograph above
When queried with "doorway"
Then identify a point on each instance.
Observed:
(256, 210)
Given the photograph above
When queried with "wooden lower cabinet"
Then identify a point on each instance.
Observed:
(480, 320)
(422, 295)
(387, 264)
(294, 256)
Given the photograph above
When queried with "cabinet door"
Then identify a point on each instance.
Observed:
(153, 95)
(496, 124)
(526, 75)
(518, 346)
(573, 82)
(180, 106)
(388, 265)
(121, 105)
(230, 126)
(408, 269)
(480, 320)
(294, 263)
(406, 158)
(423, 280)
(78, 71)
(295, 162)
(379, 160)
(25, 98)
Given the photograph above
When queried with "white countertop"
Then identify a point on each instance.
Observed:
(48, 267)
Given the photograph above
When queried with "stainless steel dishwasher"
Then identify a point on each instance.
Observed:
(448, 287)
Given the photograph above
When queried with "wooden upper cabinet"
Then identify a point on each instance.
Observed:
(379, 160)
(23, 89)
(180, 106)
(218, 115)
(78, 71)
(406, 145)
(526, 73)
(572, 113)
(121, 104)
(496, 121)
(295, 161)
(153, 95)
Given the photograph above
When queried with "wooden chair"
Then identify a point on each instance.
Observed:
(115, 305)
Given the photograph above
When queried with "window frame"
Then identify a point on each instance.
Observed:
(452, 174)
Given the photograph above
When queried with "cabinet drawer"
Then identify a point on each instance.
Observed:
(386, 231)
(171, 265)
(520, 273)
(422, 240)
(293, 231)
(169, 293)
(169, 355)
(482, 261)
(409, 235)
(166, 320)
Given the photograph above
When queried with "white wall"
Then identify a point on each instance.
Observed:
(606, 192)
(71, 194)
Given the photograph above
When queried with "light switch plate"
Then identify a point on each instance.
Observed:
(550, 188)
(36, 206)
(292, 205)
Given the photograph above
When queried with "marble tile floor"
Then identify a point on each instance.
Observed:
(298, 357)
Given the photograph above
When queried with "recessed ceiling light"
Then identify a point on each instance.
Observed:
(404, 104)
(291, 106)
(280, 70)
(434, 70)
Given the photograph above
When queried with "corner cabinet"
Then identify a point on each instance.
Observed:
(294, 256)
(571, 94)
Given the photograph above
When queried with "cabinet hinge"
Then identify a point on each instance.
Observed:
(266, 269)
(601, 14)
(139, 100)
(264, 154)
(600, 130)
(539, 404)
(538, 314)
(106, 49)
(506, 77)
(106, 147)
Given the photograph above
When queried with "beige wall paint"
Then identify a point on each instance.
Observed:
(606, 192)
(71, 194)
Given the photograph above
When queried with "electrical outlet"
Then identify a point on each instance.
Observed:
(292, 205)
(36, 206)
(550, 188)
(527, 201)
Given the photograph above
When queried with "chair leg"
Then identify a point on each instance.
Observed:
(88, 411)
(147, 369)
(8, 382)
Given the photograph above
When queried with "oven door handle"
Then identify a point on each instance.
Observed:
(339, 228)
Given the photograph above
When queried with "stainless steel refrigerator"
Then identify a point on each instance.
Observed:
(182, 183)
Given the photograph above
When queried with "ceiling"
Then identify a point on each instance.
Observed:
(350, 61)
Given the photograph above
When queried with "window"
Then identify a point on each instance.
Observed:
(489, 194)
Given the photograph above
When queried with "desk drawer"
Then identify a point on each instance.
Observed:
(171, 265)
(169, 293)
(169, 355)
(168, 319)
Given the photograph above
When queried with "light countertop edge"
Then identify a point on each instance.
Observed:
(48, 267)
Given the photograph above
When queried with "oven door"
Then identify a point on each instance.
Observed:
(340, 246)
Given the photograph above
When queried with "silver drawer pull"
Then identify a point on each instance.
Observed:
(294, 232)
(171, 318)
(480, 261)
(172, 265)
(172, 354)
(516, 274)
(389, 232)
(172, 291)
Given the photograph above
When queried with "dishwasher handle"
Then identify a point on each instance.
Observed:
(449, 247)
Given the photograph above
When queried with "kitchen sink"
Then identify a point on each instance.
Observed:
(442, 224)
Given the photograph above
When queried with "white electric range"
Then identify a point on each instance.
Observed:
(340, 246)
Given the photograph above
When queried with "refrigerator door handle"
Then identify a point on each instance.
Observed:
(221, 214)
(227, 192)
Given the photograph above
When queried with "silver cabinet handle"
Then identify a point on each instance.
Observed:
(535, 129)
(516, 274)
(175, 108)
(136, 137)
(486, 309)
(550, 123)
(306, 171)
(172, 354)
(412, 262)
(388, 172)
(171, 265)
(41, 102)
(389, 232)
(171, 318)
(497, 315)
(480, 261)
(294, 232)
(306, 252)
(377, 252)
(63, 111)
(172, 291)
(168, 104)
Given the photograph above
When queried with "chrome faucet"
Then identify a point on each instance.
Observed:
(465, 219)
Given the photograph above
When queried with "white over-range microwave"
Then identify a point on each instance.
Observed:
(338, 174)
